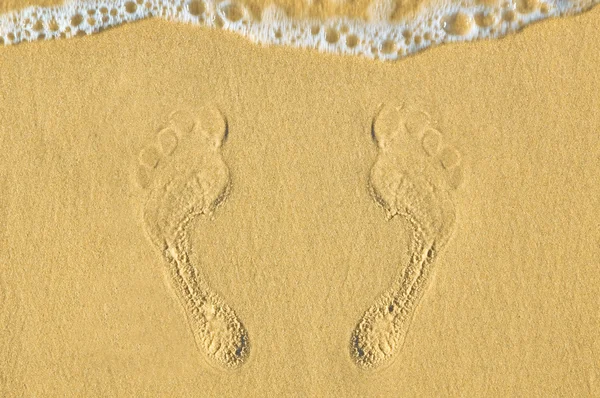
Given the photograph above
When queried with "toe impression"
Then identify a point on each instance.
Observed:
(386, 125)
(213, 125)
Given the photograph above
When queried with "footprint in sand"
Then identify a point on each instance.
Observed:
(185, 177)
(413, 177)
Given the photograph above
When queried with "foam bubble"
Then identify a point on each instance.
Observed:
(458, 24)
(375, 33)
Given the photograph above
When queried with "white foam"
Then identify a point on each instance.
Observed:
(377, 37)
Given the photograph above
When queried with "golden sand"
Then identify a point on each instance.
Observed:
(328, 173)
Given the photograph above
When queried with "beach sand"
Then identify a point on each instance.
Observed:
(299, 249)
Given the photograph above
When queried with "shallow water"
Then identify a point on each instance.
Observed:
(380, 29)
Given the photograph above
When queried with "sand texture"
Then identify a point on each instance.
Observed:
(184, 213)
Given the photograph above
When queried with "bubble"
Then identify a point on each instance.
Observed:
(196, 7)
(509, 16)
(388, 47)
(103, 10)
(1, 41)
(544, 8)
(76, 20)
(91, 21)
(114, 12)
(39, 26)
(278, 34)
(344, 29)
(11, 36)
(53, 26)
(233, 12)
(485, 19)
(130, 7)
(91, 12)
(458, 24)
(41, 36)
(351, 41)
(332, 36)
(527, 6)
(315, 29)
(417, 40)
(427, 36)
(218, 21)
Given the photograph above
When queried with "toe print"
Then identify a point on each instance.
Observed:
(149, 157)
(168, 140)
(431, 141)
(413, 177)
(449, 158)
(142, 176)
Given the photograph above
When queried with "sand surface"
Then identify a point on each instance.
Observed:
(299, 248)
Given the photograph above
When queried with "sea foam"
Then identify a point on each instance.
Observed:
(375, 34)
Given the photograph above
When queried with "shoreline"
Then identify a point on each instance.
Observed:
(377, 38)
